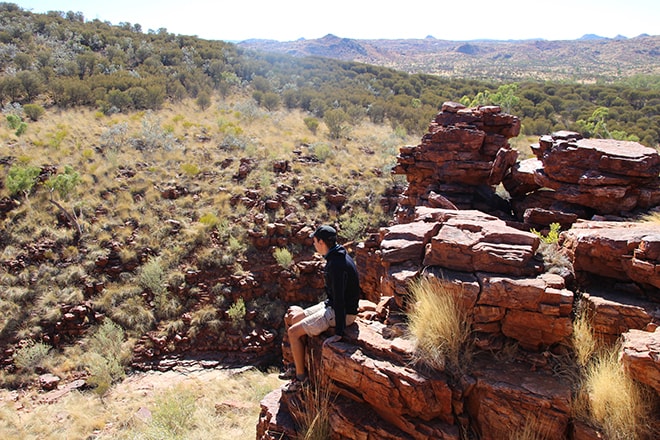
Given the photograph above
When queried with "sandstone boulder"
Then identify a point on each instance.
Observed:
(619, 250)
(374, 371)
(531, 311)
(640, 355)
(507, 396)
(606, 175)
(468, 244)
(614, 312)
(275, 422)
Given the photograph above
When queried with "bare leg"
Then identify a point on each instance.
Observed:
(296, 334)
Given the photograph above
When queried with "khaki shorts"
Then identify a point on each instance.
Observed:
(318, 318)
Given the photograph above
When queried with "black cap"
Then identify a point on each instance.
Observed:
(324, 232)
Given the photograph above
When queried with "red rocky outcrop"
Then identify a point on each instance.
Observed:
(493, 267)
(618, 250)
(464, 153)
(604, 175)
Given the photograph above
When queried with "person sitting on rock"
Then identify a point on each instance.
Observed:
(342, 288)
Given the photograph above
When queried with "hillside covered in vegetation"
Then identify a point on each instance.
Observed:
(60, 59)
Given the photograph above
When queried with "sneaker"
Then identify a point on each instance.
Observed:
(288, 374)
(294, 385)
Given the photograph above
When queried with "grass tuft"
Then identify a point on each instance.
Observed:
(439, 323)
(584, 341)
(311, 411)
(610, 399)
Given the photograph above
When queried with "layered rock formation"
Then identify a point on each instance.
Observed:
(495, 269)
(590, 176)
(464, 153)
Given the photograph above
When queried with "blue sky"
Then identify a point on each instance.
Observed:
(287, 20)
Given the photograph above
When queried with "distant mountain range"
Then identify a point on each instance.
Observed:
(589, 58)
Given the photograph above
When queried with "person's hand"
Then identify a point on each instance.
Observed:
(332, 339)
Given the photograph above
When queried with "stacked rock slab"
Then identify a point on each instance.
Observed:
(465, 152)
(605, 176)
(490, 264)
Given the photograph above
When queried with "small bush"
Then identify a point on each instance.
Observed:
(312, 124)
(283, 257)
(22, 128)
(209, 219)
(553, 234)
(31, 356)
(115, 136)
(13, 121)
(237, 311)
(152, 276)
(172, 415)
(354, 225)
(321, 151)
(33, 111)
(22, 179)
(103, 372)
(190, 170)
(106, 357)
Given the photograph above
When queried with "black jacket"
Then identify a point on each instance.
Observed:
(342, 286)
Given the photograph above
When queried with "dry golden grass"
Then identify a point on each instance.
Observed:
(611, 400)
(439, 323)
(653, 217)
(199, 405)
(311, 410)
(522, 145)
(533, 429)
(584, 340)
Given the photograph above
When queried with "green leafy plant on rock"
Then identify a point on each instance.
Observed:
(554, 260)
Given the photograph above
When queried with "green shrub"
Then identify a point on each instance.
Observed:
(312, 124)
(103, 372)
(108, 341)
(22, 179)
(151, 276)
(22, 128)
(107, 355)
(33, 111)
(64, 183)
(13, 121)
(209, 219)
(31, 356)
(172, 414)
(283, 257)
(190, 169)
(321, 151)
(237, 311)
(553, 234)
(354, 225)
